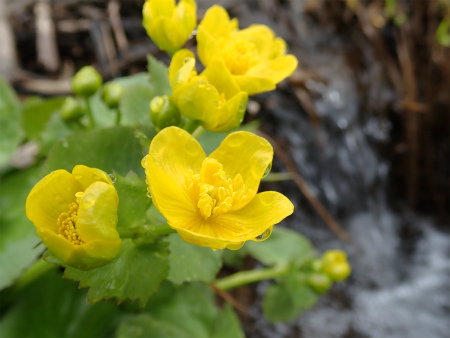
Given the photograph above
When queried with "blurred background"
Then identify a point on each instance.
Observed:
(362, 127)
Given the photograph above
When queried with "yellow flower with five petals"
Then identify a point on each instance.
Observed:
(76, 216)
(254, 56)
(212, 201)
(213, 97)
(167, 24)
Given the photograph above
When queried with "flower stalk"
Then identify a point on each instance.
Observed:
(252, 276)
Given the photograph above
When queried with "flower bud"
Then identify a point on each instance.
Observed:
(112, 94)
(164, 113)
(167, 24)
(319, 282)
(335, 265)
(72, 109)
(86, 82)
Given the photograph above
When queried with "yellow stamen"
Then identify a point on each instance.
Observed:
(212, 191)
(240, 55)
(67, 222)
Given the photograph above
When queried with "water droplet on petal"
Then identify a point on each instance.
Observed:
(88, 201)
(148, 194)
(144, 162)
(267, 171)
(112, 177)
(264, 235)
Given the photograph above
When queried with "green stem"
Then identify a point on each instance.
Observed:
(246, 277)
(162, 230)
(198, 132)
(89, 113)
(118, 116)
(276, 177)
(191, 126)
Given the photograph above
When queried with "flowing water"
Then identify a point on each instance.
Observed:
(400, 285)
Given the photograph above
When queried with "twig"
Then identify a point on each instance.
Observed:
(304, 188)
(229, 298)
(47, 51)
(8, 55)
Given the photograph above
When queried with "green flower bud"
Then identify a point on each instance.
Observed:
(112, 94)
(86, 82)
(319, 282)
(72, 109)
(335, 265)
(164, 113)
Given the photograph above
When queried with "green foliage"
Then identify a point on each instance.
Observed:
(18, 236)
(191, 263)
(159, 76)
(295, 248)
(10, 131)
(284, 301)
(188, 311)
(135, 105)
(135, 273)
(108, 149)
(54, 307)
(133, 203)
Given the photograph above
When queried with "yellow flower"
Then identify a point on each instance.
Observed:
(76, 216)
(213, 97)
(254, 56)
(169, 26)
(212, 201)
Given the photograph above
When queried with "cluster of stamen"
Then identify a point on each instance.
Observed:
(240, 55)
(67, 222)
(212, 191)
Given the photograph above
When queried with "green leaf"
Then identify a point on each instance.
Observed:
(285, 301)
(109, 149)
(159, 76)
(227, 324)
(36, 114)
(144, 326)
(135, 105)
(295, 248)
(185, 312)
(18, 236)
(55, 130)
(133, 202)
(191, 263)
(10, 129)
(53, 307)
(135, 273)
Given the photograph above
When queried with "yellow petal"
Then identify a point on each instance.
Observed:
(277, 69)
(157, 8)
(181, 67)
(97, 213)
(208, 47)
(87, 175)
(254, 84)
(175, 152)
(185, 16)
(198, 100)
(261, 35)
(220, 77)
(217, 22)
(246, 154)
(165, 34)
(85, 256)
(232, 113)
(171, 200)
(50, 197)
(278, 48)
(265, 210)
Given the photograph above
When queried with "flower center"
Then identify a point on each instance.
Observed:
(240, 55)
(212, 191)
(67, 222)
